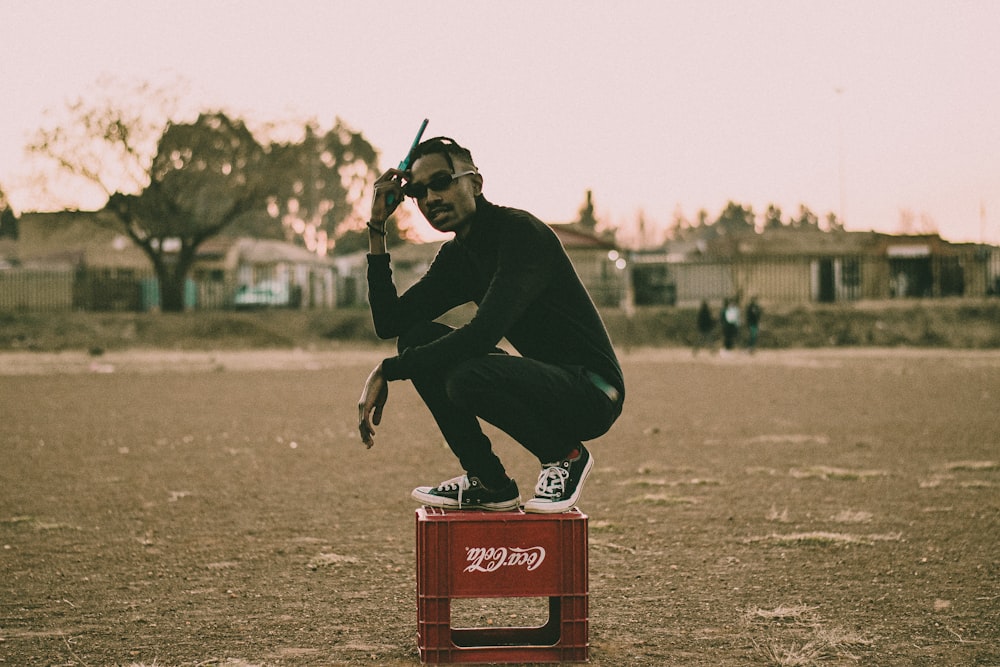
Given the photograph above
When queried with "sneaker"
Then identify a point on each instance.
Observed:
(560, 484)
(468, 493)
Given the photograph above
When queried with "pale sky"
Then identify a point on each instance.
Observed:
(656, 106)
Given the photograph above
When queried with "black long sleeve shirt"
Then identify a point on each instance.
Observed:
(526, 289)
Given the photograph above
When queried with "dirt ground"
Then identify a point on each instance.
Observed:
(789, 508)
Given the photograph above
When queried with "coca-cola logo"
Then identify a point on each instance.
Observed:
(491, 559)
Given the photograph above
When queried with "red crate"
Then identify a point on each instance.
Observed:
(465, 554)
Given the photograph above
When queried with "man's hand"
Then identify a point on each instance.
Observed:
(388, 194)
(370, 405)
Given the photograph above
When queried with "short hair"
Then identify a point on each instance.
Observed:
(447, 148)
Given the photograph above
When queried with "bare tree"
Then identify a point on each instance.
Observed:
(102, 144)
(8, 221)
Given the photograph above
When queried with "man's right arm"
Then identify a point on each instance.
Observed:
(376, 238)
(388, 195)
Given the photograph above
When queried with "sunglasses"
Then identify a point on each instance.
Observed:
(438, 183)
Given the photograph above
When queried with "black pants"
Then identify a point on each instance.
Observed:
(549, 409)
(729, 333)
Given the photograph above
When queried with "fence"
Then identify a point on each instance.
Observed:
(648, 280)
(31, 290)
(815, 279)
(27, 290)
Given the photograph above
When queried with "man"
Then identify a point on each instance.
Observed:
(564, 386)
(706, 322)
(754, 312)
(730, 317)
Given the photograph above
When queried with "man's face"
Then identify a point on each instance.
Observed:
(450, 208)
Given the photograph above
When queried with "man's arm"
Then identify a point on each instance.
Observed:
(388, 195)
(376, 390)
(370, 405)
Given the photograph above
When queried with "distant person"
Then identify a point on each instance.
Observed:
(706, 324)
(564, 386)
(730, 317)
(754, 312)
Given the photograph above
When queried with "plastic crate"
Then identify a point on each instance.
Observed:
(465, 554)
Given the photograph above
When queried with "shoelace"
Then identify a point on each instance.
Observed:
(461, 483)
(552, 482)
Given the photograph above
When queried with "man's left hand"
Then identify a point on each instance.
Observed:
(370, 405)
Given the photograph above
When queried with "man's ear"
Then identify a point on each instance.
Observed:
(477, 183)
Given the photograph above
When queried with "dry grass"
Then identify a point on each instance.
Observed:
(778, 517)
(976, 466)
(657, 481)
(827, 473)
(794, 614)
(822, 539)
(795, 636)
(852, 516)
(329, 560)
(211, 662)
(662, 499)
(967, 323)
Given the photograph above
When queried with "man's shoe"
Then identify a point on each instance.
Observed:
(468, 493)
(560, 484)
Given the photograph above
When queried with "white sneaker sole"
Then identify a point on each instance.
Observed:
(542, 506)
(422, 495)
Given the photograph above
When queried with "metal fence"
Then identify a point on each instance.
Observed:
(32, 290)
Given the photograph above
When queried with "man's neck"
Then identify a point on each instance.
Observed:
(465, 228)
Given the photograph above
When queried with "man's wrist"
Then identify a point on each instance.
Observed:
(376, 228)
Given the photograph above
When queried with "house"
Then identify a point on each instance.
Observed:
(409, 262)
(8, 253)
(71, 239)
(97, 266)
(50, 254)
(803, 265)
(596, 260)
(251, 262)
